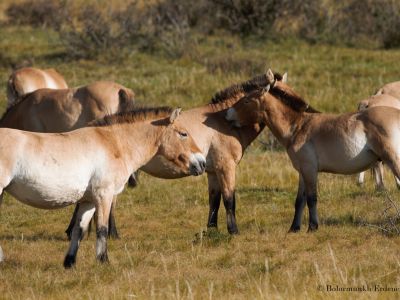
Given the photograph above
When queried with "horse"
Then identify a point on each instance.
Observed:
(50, 110)
(392, 89)
(381, 99)
(222, 145)
(318, 142)
(26, 80)
(91, 165)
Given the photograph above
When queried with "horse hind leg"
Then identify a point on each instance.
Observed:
(214, 197)
(112, 227)
(377, 170)
(83, 216)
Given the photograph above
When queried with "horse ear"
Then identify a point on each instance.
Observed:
(270, 76)
(284, 78)
(174, 115)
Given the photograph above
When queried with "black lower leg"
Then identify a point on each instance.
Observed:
(101, 234)
(299, 207)
(312, 209)
(112, 228)
(70, 258)
(68, 231)
(214, 201)
(230, 207)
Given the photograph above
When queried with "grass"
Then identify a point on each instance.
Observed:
(163, 252)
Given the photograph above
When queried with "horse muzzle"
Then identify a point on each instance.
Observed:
(197, 164)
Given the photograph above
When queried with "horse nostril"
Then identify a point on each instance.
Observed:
(203, 164)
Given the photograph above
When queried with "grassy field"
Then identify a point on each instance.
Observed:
(162, 252)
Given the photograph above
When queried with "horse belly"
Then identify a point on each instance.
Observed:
(346, 156)
(45, 196)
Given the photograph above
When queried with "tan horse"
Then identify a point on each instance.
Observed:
(27, 80)
(48, 110)
(317, 142)
(221, 144)
(392, 89)
(91, 165)
(383, 99)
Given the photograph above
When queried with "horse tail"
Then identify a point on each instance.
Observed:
(126, 100)
(12, 93)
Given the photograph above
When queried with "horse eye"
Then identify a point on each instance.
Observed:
(183, 134)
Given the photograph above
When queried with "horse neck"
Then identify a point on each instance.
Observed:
(138, 142)
(281, 120)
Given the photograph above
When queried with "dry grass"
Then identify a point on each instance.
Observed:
(162, 252)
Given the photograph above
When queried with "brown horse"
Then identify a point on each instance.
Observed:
(27, 80)
(91, 165)
(222, 145)
(49, 110)
(382, 99)
(317, 142)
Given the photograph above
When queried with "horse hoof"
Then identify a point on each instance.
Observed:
(69, 261)
(233, 231)
(103, 258)
(312, 228)
(294, 229)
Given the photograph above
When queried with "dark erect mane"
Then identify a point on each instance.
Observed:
(292, 100)
(253, 84)
(137, 114)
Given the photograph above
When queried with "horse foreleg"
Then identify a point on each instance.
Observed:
(361, 177)
(83, 216)
(214, 198)
(377, 170)
(310, 183)
(227, 183)
(103, 207)
(112, 228)
(299, 206)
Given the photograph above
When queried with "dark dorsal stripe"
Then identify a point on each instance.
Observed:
(135, 115)
(251, 85)
(292, 100)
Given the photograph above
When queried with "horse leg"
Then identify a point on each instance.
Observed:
(310, 182)
(361, 177)
(377, 169)
(68, 231)
(214, 198)
(83, 216)
(112, 228)
(103, 207)
(226, 180)
(299, 206)
(1, 250)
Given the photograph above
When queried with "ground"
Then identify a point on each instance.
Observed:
(163, 252)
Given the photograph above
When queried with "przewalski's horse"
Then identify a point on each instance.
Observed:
(27, 80)
(222, 144)
(383, 99)
(392, 89)
(317, 142)
(91, 165)
(48, 110)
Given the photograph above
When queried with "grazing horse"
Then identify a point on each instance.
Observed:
(222, 145)
(91, 165)
(392, 89)
(27, 80)
(318, 142)
(381, 99)
(48, 110)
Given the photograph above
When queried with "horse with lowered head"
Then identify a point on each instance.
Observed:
(318, 142)
(91, 165)
(27, 80)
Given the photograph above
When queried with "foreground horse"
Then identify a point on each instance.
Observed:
(91, 165)
(222, 144)
(27, 80)
(48, 110)
(382, 99)
(317, 142)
